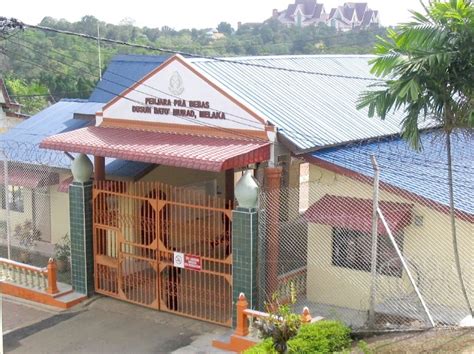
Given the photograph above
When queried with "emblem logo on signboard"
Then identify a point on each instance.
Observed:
(176, 86)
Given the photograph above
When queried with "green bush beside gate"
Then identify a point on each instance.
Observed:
(319, 337)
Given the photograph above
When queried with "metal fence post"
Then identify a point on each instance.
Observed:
(373, 264)
(405, 266)
(7, 204)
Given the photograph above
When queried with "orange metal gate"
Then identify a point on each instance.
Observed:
(164, 247)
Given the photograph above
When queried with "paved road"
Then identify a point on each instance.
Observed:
(18, 313)
(110, 326)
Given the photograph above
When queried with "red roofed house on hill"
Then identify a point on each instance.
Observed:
(353, 15)
(302, 13)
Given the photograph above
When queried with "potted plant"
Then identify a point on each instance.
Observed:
(27, 236)
(62, 252)
(282, 324)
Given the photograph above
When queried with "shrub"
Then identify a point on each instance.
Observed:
(263, 347)
(282, 324)
(27, 235)
(321, 337)
(62, 249)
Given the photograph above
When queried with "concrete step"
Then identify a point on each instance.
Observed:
(71, 298)
(65, 298)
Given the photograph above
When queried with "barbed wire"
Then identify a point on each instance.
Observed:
(30, 153)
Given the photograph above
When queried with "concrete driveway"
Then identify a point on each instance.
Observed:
(105, 325)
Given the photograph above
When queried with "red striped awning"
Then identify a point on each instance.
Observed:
(190, 151)
(356, 214)
(26, 177)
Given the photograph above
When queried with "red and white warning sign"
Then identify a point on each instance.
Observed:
(187, 261)
(192, 262)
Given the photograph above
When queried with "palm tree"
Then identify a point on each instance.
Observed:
(426, 68)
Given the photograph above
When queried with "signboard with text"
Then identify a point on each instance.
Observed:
(178, 94)
(192, 262)
(187, 261)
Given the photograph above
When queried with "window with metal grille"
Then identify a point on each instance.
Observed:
(15, 198)
(352, 249)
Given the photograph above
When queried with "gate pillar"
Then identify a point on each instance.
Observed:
(244, 242)
(80, 209)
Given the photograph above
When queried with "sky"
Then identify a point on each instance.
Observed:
(180, 14)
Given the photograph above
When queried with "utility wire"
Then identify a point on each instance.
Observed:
(256, 125)
(21, 25)
(63, 94)
(379, 152)
(145, 85)
(227, 130)
(133, 81)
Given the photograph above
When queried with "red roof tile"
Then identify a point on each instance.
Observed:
(356, 214)
(190, 151)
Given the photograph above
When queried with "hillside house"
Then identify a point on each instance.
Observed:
(353, 15)
(301, 14)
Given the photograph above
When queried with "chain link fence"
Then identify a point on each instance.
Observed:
(34, 213)
(392, 269)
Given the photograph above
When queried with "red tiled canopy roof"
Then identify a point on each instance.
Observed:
(190, 151)
(356, 214)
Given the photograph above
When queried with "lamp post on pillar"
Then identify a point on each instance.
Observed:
(272, 189)
(80, 208)
(244, 241)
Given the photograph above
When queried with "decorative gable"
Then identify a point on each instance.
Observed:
(178, 97)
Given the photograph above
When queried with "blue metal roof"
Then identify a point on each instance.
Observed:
(21, 143)
(122, 72)
(310, 110)
(422, 173)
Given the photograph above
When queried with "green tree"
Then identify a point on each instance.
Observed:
(32, 96)
(428, 71)
(62, 63)
(225, 28)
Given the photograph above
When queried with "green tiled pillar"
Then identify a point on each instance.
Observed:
(82, 258)
(244, 255)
